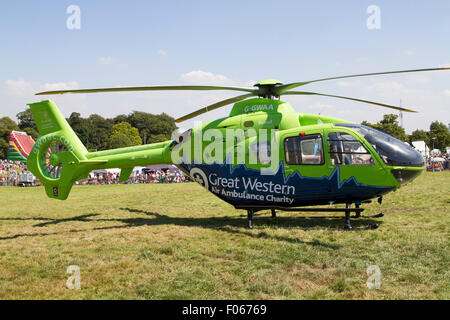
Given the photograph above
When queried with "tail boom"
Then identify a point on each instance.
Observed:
(59, 158)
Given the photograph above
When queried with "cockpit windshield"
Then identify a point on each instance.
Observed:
(392, 151)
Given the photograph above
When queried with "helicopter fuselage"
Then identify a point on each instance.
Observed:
(301, 159)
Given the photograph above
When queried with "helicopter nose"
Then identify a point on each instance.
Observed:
(411, 161)
(406, 156)
(403, 176)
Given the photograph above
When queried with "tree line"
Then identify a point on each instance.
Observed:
(96, 132)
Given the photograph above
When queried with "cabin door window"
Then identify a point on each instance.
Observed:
(304, 150)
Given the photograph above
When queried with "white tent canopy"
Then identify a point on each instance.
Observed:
(421, 147)
(115, 170)
(437, 159)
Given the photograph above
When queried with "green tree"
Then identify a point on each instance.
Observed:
(124, 135)
(157, 138)
(439, 135)
(81, 127)
(95, 132)
(152, 128)
(119, 141)
(99, 132)
(26, 123)
(419, 135)
(120, 118)
(26, 120)
(6, 126)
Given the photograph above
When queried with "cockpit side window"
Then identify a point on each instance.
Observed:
(304, 150)
(344, 149)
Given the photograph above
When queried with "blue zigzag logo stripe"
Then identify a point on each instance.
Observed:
(308, 190)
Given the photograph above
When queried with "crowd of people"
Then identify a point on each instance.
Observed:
(139, 176)
(11, 171)
(15, 173)
(440, 162)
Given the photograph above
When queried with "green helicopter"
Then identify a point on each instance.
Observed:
(264, 155)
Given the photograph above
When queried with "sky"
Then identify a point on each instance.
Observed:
(233, 43)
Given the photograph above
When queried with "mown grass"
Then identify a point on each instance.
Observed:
(180, 242)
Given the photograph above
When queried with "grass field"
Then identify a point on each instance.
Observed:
(180, 242)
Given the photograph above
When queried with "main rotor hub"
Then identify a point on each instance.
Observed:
(267, 88)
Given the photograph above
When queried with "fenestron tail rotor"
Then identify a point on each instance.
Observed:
(269, 88)
(51, 164)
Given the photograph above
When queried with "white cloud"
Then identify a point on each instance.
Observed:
(418, 79)
(110, 62)
(203, 77)
(162, 53)
(320, 108)
(388, 88)
(16, 94)
(106, 61)
(349, 83)
(60, 86)
(447, 92)
(208, 78)
(21, 87)
(409, 52)
(17, 87)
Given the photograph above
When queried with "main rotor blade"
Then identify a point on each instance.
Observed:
(152, 88)
(215, 106)
(347, 98)
(282, 88)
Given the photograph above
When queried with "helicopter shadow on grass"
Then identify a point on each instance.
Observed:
(226, 224)
(305, 223)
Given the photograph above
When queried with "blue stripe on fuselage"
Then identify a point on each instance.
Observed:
(242, 186)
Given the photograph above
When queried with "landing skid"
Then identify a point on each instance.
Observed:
(347, 210)
(378, 215)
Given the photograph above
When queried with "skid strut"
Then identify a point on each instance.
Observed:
(249, 218)
(347, 225)
(347, 210)
(357, 214)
